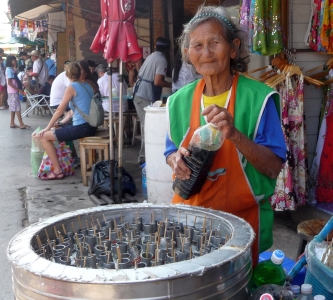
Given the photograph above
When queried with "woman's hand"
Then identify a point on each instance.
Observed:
(176, 162)
(41, 133)
(223, 119)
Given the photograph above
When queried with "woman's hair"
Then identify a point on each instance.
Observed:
(73, 71)
(9, 60)
(177, 66)
(86, 69)
(230, 30)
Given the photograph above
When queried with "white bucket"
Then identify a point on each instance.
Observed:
(159, 182)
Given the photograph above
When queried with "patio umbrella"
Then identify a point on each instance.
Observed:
(116, 37)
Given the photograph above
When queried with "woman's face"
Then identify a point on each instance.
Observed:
(208, 50)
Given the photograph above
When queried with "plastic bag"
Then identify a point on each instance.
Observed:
(36, 143)
(37, 151)
(65, 160)
(100, 182)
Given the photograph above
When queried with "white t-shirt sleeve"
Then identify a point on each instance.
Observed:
(162, 66)
(37, 66)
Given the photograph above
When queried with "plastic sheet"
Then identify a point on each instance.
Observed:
(100, 182)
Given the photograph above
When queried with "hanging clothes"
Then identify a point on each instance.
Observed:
(297, 140)
(324, 190)
(284, 197)
(291, 186)
(261, 20)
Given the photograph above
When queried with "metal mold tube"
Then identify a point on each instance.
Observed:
(221, 274)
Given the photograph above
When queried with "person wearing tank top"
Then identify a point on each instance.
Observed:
(81, 93)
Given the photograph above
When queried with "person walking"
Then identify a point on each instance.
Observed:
(14, 88)
(148, 87)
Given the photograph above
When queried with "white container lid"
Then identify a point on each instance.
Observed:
(306, 288)
(319, 297)
(277, 257)
(295, 288)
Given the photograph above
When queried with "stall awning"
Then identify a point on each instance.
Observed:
(33, 9)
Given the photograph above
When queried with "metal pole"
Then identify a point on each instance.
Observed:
(121, 135)
(112, 186)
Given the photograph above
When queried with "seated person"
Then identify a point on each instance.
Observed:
(46, 88)
(81, 93)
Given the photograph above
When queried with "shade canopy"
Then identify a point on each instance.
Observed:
(25, 41)
(116, 36)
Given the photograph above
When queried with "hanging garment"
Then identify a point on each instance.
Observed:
(325, 33)
(297, 139)
(284, 196)
(32, 36)
(313, 174)
(324, 191)
(264, 26)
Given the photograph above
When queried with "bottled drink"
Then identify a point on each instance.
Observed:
(270, 271)
(144, 182)
(296, 289)
(306, 292)
(205, 142)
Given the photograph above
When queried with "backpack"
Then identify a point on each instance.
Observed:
(95, 118)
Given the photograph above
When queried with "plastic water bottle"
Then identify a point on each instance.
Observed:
(144, 182)
(270, 271)
(306, 292)
(204, 144)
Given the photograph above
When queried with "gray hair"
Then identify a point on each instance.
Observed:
(230, 30)
(101, 68)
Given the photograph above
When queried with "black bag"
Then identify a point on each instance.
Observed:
(100, 180)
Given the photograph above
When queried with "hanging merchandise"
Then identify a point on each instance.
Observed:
(324, 190)
(320, 35)
(262, 21)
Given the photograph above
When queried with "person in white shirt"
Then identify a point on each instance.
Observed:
(39, 69)
(103, 83)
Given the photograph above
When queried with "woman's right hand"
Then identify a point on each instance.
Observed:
(41, 133)
(176, 162)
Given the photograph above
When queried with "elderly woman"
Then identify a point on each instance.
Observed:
(245, 111)
(81, 94)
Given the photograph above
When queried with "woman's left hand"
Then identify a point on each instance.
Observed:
(41, 133)
(223, 119)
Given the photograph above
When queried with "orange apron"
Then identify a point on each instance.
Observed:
(231, 191)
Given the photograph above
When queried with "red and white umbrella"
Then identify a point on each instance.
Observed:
(116, 37)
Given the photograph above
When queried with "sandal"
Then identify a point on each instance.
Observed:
(14, 126)
(58, 176)
(25, 127)
(3, 107)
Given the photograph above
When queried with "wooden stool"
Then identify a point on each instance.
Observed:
(307, 230)
(135, 120)
(90, 146)
(115, 120)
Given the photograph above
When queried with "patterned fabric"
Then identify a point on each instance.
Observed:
(290, 190)
(313, 176)
(262, 20)
(324, 192)
(14, 102)
(65, 160)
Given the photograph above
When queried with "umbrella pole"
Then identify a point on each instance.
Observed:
(121, 135)
(112, 161)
